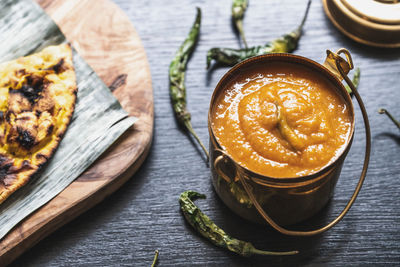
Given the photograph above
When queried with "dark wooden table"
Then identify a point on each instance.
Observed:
(144, 215)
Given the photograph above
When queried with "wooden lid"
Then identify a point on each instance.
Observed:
(371, 22)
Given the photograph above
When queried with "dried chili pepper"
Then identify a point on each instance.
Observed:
(155, 259)
(238, 9)
(384, 111)
(177, 70)
(356, 81)
(285, 44)
(203, 224)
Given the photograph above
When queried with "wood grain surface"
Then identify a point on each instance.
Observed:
(104, 36)
(126, 228)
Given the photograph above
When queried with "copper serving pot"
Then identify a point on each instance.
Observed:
(285, 201)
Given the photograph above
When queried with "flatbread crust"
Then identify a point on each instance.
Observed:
(37, 100)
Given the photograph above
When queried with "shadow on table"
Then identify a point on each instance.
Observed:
(394, 137)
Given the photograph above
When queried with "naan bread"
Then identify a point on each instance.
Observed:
(37, 100)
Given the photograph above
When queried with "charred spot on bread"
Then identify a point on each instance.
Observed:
(20, 72)
(31, 89)
(41, 156)
(9, 171)
(5, 165)
(25, 118)
(50, 130)
(25, 138)
(8, 116)
(58, 67)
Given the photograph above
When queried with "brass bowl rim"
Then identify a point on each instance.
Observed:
(295, 59)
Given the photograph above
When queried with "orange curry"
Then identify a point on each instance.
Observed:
(281, 120)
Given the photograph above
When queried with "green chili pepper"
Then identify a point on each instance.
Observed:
(356, 81)
(155, 259)
(177, 70)
(384, 111)
(238, 9)
(203, 224)
(285, 44)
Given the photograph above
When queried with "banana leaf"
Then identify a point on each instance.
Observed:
(97, 122)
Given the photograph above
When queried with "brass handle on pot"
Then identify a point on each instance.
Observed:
(342, 70)
(331, 62)
(221, 173)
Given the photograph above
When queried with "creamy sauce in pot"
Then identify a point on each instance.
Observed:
(281, 120)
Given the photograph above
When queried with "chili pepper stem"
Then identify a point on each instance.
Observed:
(284, 253)
(155, 259)
(189, 127)
(305, 15)
(384, 111)
(239, 25)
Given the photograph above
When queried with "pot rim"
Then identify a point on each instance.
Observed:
(294, 59)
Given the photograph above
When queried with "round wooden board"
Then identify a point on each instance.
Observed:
(106, 39)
